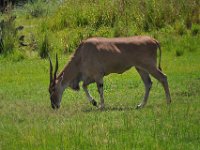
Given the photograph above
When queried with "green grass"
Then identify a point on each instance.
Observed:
(28, 122)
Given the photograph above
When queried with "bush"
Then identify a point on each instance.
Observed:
(8, 34)
(144, 15)
(72, 40)
(73, 21)
(17, 56)
(44, 47)
(180, 28)
(195, 29)
(36, 9)
(81, 20)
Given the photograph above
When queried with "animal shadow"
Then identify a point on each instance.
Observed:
(110, 108)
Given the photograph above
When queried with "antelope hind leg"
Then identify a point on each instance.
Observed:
(147, 83)
(100, 90)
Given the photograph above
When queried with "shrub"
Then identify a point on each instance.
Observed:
(105, 17)
(37, 8)
(44, 47)
(73, 41)
(119, 30)
(17, 56)
(195, 29)
(102, 18)
(81, 20)
(180, 28)
(8, 34)
(104, 32)
(61, 19)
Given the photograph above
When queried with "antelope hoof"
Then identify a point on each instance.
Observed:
(139, 106)
(94, 103)
(169, 101)
(102, 107)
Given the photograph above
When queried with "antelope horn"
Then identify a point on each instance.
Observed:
(56, 67)
(51, 69)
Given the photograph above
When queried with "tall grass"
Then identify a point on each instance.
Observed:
(8, 34)
(144, 15)
(44, 47)
(124, 18)
(9, 39)
(72, 21)
(39, 8)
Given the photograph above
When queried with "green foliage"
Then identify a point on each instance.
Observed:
(195, 29)
(180, 28)
(36, 9)
(122, 18)
(71, 21)
(8, 34)
(16, 56)
(72, 40)
(44, 46)
(120, 30)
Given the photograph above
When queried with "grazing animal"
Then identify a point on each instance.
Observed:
(97, 57)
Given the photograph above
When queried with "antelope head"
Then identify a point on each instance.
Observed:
(55, 87)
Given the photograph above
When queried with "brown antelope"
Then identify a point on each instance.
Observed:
(98, 57)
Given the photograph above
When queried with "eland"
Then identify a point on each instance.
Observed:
(97, 57)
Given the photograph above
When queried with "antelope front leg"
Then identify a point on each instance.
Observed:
(91, 100)
(100, 90)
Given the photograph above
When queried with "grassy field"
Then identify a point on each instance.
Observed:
(28, 122)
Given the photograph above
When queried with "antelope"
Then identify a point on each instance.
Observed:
(98, 57)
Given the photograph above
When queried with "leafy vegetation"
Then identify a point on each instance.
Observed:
(8, 34)
(27, 120)
(72, 21)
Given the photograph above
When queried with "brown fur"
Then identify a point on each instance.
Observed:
(97, 57)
